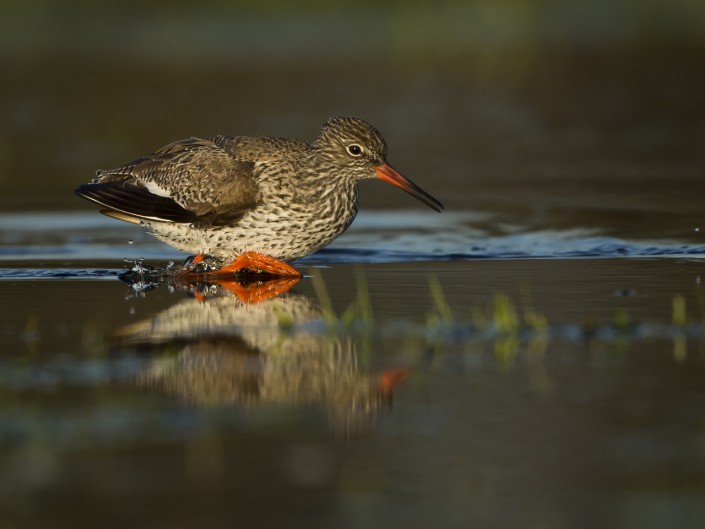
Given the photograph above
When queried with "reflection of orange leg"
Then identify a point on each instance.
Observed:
(200, 297)
(257, 262)
(248, 293)
(256, 292)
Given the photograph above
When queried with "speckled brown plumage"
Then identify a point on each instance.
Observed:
(224, 196)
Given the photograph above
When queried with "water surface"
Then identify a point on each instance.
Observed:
(116, 396)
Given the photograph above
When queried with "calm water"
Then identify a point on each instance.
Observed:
(119, 398)
(532, 357)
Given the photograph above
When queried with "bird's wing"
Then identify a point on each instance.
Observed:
(192, 181)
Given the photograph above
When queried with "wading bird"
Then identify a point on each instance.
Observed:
(252, 203)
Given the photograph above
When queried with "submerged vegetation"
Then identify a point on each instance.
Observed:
(509, 323)
(503, 315)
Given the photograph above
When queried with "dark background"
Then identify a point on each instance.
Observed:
(551, 114)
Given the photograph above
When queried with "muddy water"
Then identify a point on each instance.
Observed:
(532, 357)
(119, 398)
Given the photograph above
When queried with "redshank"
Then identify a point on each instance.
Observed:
(253, 202)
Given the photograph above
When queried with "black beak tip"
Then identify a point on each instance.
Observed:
(433, 203)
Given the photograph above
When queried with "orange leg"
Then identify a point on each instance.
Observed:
(249, 261)
(197, 259)
(257, 262)
(197, 265)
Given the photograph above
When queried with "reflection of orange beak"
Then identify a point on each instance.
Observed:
(388, 173)
(391, 378)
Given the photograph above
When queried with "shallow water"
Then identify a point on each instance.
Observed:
(117, 398)
(375, 237)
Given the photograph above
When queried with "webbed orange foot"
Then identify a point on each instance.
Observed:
(202, 265)
(259, 263)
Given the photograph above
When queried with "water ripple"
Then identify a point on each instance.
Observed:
(376, 237)
(8, 274)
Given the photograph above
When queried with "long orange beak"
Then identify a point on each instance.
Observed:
(387, 173)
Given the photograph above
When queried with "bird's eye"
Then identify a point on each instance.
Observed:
(355, 149)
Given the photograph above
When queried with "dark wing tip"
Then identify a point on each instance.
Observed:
(83, 191)
(89, 192)
(134, 200)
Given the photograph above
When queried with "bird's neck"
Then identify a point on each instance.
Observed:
(326, 195)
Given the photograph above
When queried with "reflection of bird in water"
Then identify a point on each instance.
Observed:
(230, 352)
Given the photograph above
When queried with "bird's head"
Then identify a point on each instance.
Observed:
(355, 150)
